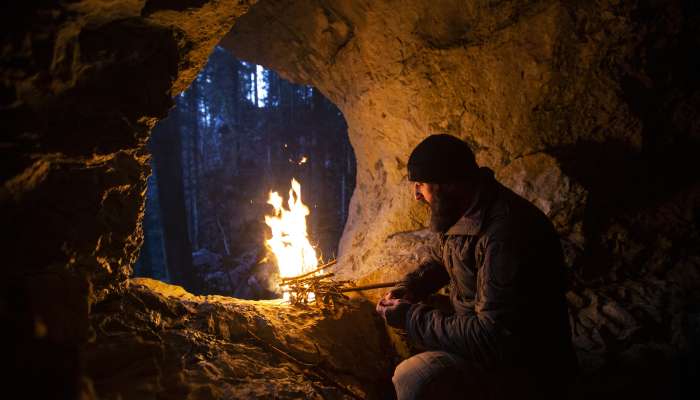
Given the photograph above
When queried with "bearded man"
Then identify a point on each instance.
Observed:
(507, 334)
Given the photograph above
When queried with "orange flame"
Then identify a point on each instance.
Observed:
(289, 241)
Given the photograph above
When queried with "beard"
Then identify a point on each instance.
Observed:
(445, 210)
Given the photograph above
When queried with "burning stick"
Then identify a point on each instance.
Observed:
(326, 291)
(296, 281)
(322, 267)
(294, 254)
(321, 288)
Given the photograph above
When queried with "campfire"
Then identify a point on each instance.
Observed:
(290, 242)
(302, 277)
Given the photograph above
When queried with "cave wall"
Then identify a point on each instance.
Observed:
(82, 84)
(589, 109)
(576, 105)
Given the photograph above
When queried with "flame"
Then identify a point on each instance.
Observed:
(289, 241)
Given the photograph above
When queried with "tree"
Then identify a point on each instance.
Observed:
(236, 144)
(166, 148)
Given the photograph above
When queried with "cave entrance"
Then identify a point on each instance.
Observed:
(237, 133)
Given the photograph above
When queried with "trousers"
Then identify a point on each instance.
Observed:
(437, 374)
(440, 374)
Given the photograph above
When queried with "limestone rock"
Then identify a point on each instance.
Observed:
(573, 105)
(81, 85)
(158, 340)
(404, 251)
(604, 93)
(514, 79)
(539, 178)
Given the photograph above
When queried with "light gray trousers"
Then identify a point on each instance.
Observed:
(436, 375)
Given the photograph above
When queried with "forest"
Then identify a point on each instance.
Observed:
(237, 133)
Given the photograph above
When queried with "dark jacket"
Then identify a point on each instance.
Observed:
(504, 266)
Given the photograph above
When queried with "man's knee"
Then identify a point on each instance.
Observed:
(426, 372)
(405, 373)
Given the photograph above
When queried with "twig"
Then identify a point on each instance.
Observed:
(308, 368)
(368, 287)
(313, 278)
(324, 266)
(282, 352)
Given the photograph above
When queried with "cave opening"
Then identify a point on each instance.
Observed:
(589, 111)
(238, 133)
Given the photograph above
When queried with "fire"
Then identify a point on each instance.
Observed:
(290, 242)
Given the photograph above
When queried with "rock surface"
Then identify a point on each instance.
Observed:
(158, 341)
(584, 108)
(588, 109)
(540, 89)
(81, 85)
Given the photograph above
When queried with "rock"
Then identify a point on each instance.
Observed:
(539, 178)
(526, 83)
(595, 100)
(82, 85)
(218, 347)
(403, 252)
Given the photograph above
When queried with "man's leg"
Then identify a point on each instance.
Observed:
(436, 374)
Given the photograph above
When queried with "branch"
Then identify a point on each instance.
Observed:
(326, 265)
(368, 287)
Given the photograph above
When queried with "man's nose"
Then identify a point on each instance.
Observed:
(418, 195)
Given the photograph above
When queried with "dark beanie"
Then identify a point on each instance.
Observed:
(441, 159)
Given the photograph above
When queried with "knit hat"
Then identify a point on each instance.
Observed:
(441, 159)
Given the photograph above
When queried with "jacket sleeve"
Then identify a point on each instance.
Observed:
(482, 336)
(427, 279)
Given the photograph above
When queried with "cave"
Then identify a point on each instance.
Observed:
(587, 109)
(238, 134)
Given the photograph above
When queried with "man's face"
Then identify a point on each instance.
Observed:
(445, 205)
(424, 191)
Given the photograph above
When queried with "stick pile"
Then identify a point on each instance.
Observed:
(328, 292)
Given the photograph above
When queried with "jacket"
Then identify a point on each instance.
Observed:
(503, 264)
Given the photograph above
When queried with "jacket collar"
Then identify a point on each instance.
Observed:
(473, 219)
(467, 225)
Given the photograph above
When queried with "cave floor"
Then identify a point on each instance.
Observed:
(159, 340)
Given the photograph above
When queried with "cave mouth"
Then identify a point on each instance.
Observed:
(237, 133)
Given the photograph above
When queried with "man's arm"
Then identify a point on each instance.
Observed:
(484, 335)
(425, 280)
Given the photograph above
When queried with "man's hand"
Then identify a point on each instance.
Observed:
(394, 311)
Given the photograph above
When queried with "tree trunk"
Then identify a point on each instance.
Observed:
(194, 154)
(255, 85)
(166, 147)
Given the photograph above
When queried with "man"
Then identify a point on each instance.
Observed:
(508, 331)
